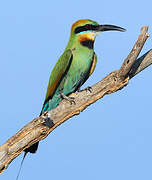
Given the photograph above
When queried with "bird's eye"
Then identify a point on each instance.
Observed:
(87, 26)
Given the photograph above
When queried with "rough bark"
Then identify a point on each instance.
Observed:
(36, 130)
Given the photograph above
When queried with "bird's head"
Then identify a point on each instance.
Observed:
(86, 30)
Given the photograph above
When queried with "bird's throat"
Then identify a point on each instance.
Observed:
(87, 43)
(87, 40)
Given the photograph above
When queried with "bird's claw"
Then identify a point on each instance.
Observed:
(89, 88)
(70, 99)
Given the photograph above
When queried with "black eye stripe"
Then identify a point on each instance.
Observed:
(85, 28)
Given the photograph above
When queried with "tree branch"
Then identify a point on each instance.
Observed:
(130, 60)
(35, 130)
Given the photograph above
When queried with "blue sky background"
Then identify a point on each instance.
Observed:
(111, 139)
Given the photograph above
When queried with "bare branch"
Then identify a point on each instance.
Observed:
(130, 60)
(142, 63)
(35, 130)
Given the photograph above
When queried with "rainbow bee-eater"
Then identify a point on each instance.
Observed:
(74, 66)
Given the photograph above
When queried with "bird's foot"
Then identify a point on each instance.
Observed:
(89, 88)
(86, 89)
(70, 99)
(47, 121)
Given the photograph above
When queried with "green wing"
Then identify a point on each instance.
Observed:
(57, 73)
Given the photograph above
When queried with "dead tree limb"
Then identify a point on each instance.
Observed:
(35, 130)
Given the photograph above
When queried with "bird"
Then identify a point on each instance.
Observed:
(74, 66)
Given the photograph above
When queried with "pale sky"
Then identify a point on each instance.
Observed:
(111, 139)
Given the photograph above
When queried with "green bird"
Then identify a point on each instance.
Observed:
(74, 66)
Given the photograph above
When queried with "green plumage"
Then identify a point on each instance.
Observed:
(76, 69)
(70, 72)
(75, 65)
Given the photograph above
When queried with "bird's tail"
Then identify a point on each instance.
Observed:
(33, 148)
(25, 153)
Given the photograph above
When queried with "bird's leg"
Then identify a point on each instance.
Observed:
(89, 88)
(47, 121)
(70, 99)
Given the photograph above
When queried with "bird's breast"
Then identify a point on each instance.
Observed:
(81, 62)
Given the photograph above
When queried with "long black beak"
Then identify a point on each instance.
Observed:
(107, 27)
